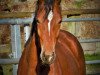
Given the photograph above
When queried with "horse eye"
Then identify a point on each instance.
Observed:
(37, 21)
(60, 21)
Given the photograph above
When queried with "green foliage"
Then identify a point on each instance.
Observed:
(92, 57)
(79, 3)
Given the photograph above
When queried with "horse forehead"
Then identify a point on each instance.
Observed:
(50, 16)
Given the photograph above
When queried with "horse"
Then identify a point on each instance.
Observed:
(50, 50)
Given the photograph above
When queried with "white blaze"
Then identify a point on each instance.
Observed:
(50, 16)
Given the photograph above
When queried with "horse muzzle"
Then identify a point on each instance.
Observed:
(47, 58)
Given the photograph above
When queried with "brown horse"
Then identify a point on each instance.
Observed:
(49, 50)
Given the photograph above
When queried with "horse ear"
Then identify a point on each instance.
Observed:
(40, 1)
(57, 2)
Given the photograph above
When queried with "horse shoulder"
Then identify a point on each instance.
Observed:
(70, 41)
(28, 60)
(71, 48)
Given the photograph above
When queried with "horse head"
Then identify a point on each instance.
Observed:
(48, 18)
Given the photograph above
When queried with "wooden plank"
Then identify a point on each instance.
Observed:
(5, 48)
(15, 14)
(64, 12)
(80, 11)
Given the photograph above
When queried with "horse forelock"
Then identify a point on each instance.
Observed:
(48, 5)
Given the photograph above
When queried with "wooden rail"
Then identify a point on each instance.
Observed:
(80, 11)
(64, 12)
(15, 14)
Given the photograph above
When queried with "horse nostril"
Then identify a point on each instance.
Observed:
(48, 59)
